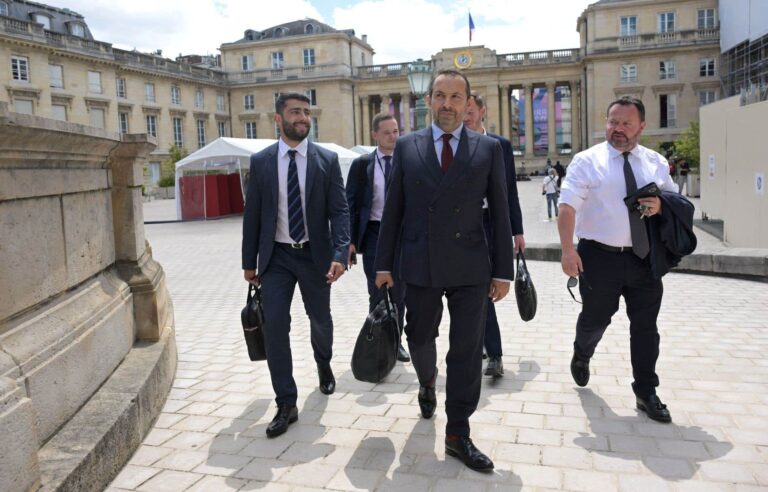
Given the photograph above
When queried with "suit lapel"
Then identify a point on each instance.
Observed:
(273, 184)
(425, 146)
(370, 169)
(312, 163)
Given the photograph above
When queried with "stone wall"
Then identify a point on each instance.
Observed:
(78, 285)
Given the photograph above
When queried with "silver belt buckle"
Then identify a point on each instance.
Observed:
(297, 245)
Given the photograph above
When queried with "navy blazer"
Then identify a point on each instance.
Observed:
(327, 216)
(441, 216)
(671, 233)
(515, 214)
(360, 197)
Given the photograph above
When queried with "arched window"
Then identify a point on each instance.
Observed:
(309, 29)
(281, 31)
(3, 8)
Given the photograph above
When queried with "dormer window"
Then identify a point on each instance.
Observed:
(280, 32)
(42, 19)
(309, 29)
(3, 8)
(77, 29)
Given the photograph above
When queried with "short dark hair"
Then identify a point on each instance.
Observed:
(379, 119)
(628, 101)
(287, 96)
(449, 73)
(478, 99)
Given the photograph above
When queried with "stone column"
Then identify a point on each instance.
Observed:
(407, 113)
(505, 122)
(575, 116)
(493, 110)
(551, 127)
(385, 100)
(528, 94)
(365, 124)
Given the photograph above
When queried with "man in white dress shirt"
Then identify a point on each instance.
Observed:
(611, 259)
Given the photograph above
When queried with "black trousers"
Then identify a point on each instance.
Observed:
(606, 277)
(492, 330)
(467, 308)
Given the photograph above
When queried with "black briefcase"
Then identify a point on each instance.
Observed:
(252, 317)
(525, 292)
(375, 351)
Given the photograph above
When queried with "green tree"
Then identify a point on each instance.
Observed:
(175, 154)
(687, 146)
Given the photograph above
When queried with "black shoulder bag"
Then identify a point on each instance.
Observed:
(525, 292)
(252, 318)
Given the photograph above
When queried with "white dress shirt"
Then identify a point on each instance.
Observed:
(379, 185)
(595, 188)
(283, 235)
(437, 136)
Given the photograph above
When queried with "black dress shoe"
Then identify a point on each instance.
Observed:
(580, 370)
(428, 399)
(286, 415)
(495, 367)
(327, 381)
(402, 355)
(462, 447)
(654, 408)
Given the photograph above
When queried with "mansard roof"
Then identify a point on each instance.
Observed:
(304, 27)
(60, 18)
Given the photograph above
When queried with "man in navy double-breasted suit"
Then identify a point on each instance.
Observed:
(295, 230)
(435, 197)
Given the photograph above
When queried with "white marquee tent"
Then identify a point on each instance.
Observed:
(232, 155)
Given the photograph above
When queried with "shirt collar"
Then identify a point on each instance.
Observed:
(381, 154)
(283, 148)
(437, 133)
(613, 152)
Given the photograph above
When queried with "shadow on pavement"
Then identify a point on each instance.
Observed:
(671, 451)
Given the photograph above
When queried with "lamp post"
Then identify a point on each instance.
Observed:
(419, 75)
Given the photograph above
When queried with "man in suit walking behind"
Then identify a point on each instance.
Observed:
(473, 120)
(366, 192)
(435, 200)
(295, 230)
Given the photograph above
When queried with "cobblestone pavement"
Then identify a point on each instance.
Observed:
(541, 430)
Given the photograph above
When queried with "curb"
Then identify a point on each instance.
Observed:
(744, 263)
(93, 446)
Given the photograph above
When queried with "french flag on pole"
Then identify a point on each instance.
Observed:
(471, 28)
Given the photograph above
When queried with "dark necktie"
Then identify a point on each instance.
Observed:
(636, 227)
(387, 167)
(446, 156)
(295, 214)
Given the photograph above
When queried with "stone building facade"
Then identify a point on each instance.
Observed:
(663, 51)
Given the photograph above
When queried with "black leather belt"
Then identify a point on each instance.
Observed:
(295, 245)
(605, 247)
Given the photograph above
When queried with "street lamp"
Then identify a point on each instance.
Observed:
(419, 75)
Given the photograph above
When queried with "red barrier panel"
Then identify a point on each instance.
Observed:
(212, 208)
(222, 183)
(236, 202)
(191, 191)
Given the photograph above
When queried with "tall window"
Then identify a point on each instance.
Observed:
(56, 75)
(629, 73)
(178, 132)
(277, 60)
(120, 87)
(250, 129)
(667, 70)
(312, 95)
(20, 68)
(248, 102)
(199, 98)
(3, 8)
(314, 131)
(707, 67)
(149, 92)
(201, 133)
(309, 57)
(97, 117)
(59, 112)
(152, 125)
(628, 25)
(77, 29)
(44, 20)
(667, 22)
(175, 95)
(706, 18)
(222, 126)
(122, 122)
(668, 111)
(706, 97)
(94, 83)
(220, 102)
(23, 106)
(247, 62)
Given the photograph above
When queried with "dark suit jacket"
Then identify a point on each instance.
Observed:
(441, 216)
(671, 233)
(515, 215)
(360, 197)
(327, 216)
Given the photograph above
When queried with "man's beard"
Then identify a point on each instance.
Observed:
(290, 132)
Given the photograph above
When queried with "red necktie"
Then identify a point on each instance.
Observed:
(446, 156)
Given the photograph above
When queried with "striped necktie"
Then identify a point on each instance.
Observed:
(295, 213)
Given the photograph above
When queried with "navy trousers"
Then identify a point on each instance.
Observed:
(606, 277)
(368, 244)
(492, 330)
(286, 268)
(466, 306)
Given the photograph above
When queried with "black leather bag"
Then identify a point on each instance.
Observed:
(252, 317)
(525, 292)
(375, 351)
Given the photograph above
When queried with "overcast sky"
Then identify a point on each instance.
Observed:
(399, 30)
